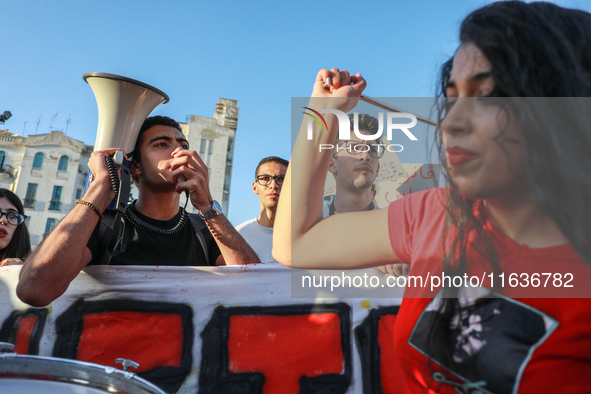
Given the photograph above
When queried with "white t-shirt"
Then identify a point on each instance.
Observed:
(259, 238)
(326, 211)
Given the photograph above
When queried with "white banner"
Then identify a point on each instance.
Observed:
(202, 329)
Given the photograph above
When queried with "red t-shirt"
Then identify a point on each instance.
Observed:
(501, 344)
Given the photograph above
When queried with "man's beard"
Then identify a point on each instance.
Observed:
(158, 182)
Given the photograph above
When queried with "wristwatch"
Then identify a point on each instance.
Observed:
(213, 212)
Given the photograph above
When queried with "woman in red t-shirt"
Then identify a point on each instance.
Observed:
(518, 166)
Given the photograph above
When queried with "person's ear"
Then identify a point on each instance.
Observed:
(332, 165)
(254, 188)
(135, 168)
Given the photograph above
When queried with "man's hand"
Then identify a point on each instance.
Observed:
(101, 178)
(11, 261)
(191, 174)
(395, 269)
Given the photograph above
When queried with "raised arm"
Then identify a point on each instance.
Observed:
(301, 238)
(47, 273)
(189, 169)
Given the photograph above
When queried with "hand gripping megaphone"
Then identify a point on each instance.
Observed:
(123, 106)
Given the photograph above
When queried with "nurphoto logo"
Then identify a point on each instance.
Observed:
(345, 127)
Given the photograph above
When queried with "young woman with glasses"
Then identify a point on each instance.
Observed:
(518, 166)
(15, 244)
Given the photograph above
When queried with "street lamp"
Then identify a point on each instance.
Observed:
(5, 116)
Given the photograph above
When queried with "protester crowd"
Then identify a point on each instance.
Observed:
(518, 188)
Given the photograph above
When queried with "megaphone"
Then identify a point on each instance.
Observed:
(123, 106)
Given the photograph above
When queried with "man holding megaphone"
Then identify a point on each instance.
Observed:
(157, 231)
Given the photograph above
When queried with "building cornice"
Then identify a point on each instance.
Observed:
(56, 138)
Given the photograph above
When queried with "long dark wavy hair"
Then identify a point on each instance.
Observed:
(535, 50)
(20, 244)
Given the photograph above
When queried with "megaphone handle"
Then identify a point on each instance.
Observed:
(112, 167)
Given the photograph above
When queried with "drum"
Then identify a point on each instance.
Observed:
(25, 374)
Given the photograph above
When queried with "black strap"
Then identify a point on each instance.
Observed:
(113, 222)
(105, 236)
(198, 225)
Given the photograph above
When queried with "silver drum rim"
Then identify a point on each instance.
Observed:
(110, 379)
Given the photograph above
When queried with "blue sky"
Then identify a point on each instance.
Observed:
(259, 53)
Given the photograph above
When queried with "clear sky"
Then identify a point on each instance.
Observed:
(261, 53)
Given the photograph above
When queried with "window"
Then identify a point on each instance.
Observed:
(38, 160)
(227, 178)
(54, 204)
(31, 191)
(2, 157)
(230, 151)
(63, 164)
(51, 223)
(78, 193)
(30, 196)
(206, 153)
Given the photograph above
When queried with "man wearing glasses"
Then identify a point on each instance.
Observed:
(258, 232)
(355, 165)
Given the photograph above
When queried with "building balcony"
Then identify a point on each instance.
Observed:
(61, 174)
(29, 203)
(54, 205)
(36, 172)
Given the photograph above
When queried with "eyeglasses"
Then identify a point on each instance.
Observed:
(356, 148)
(265, 180)
(13, 218)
